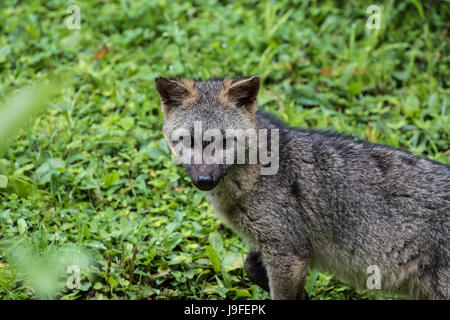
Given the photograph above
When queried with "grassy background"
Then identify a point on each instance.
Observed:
(90, 181)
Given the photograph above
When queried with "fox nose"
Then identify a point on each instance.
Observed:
(205, 181)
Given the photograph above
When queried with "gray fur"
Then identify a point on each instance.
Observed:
(336, 204)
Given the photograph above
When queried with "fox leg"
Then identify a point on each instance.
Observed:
(256, 271)
(441, 288)
(286, 276)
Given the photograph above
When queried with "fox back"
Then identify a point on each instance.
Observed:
(334, 203)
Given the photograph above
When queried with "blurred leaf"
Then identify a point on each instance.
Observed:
(215, 240)
(311, 281)
(110, 179)
(48, 168)
(20, 107)
(19, 186)
(96, 244)
(3, 182)
(354, 88)
(232, 261)
(102, 52)
(22, 226)
(214, 258)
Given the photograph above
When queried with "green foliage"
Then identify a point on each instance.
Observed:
(93, 174)
(16, 111)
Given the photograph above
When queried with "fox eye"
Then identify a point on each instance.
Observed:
(176, 141)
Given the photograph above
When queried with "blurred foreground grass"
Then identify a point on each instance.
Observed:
(91, 178)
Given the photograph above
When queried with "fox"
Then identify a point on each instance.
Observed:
(335, 203)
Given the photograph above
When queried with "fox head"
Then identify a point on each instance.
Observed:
(198, 115)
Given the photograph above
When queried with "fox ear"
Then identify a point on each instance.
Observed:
(173, 92)
(244, 92)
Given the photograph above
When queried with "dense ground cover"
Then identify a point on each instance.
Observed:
(90, 182)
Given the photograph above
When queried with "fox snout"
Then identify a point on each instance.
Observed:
(205, 182)
(206, 176)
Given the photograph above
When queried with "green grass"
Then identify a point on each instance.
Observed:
(90, 181)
